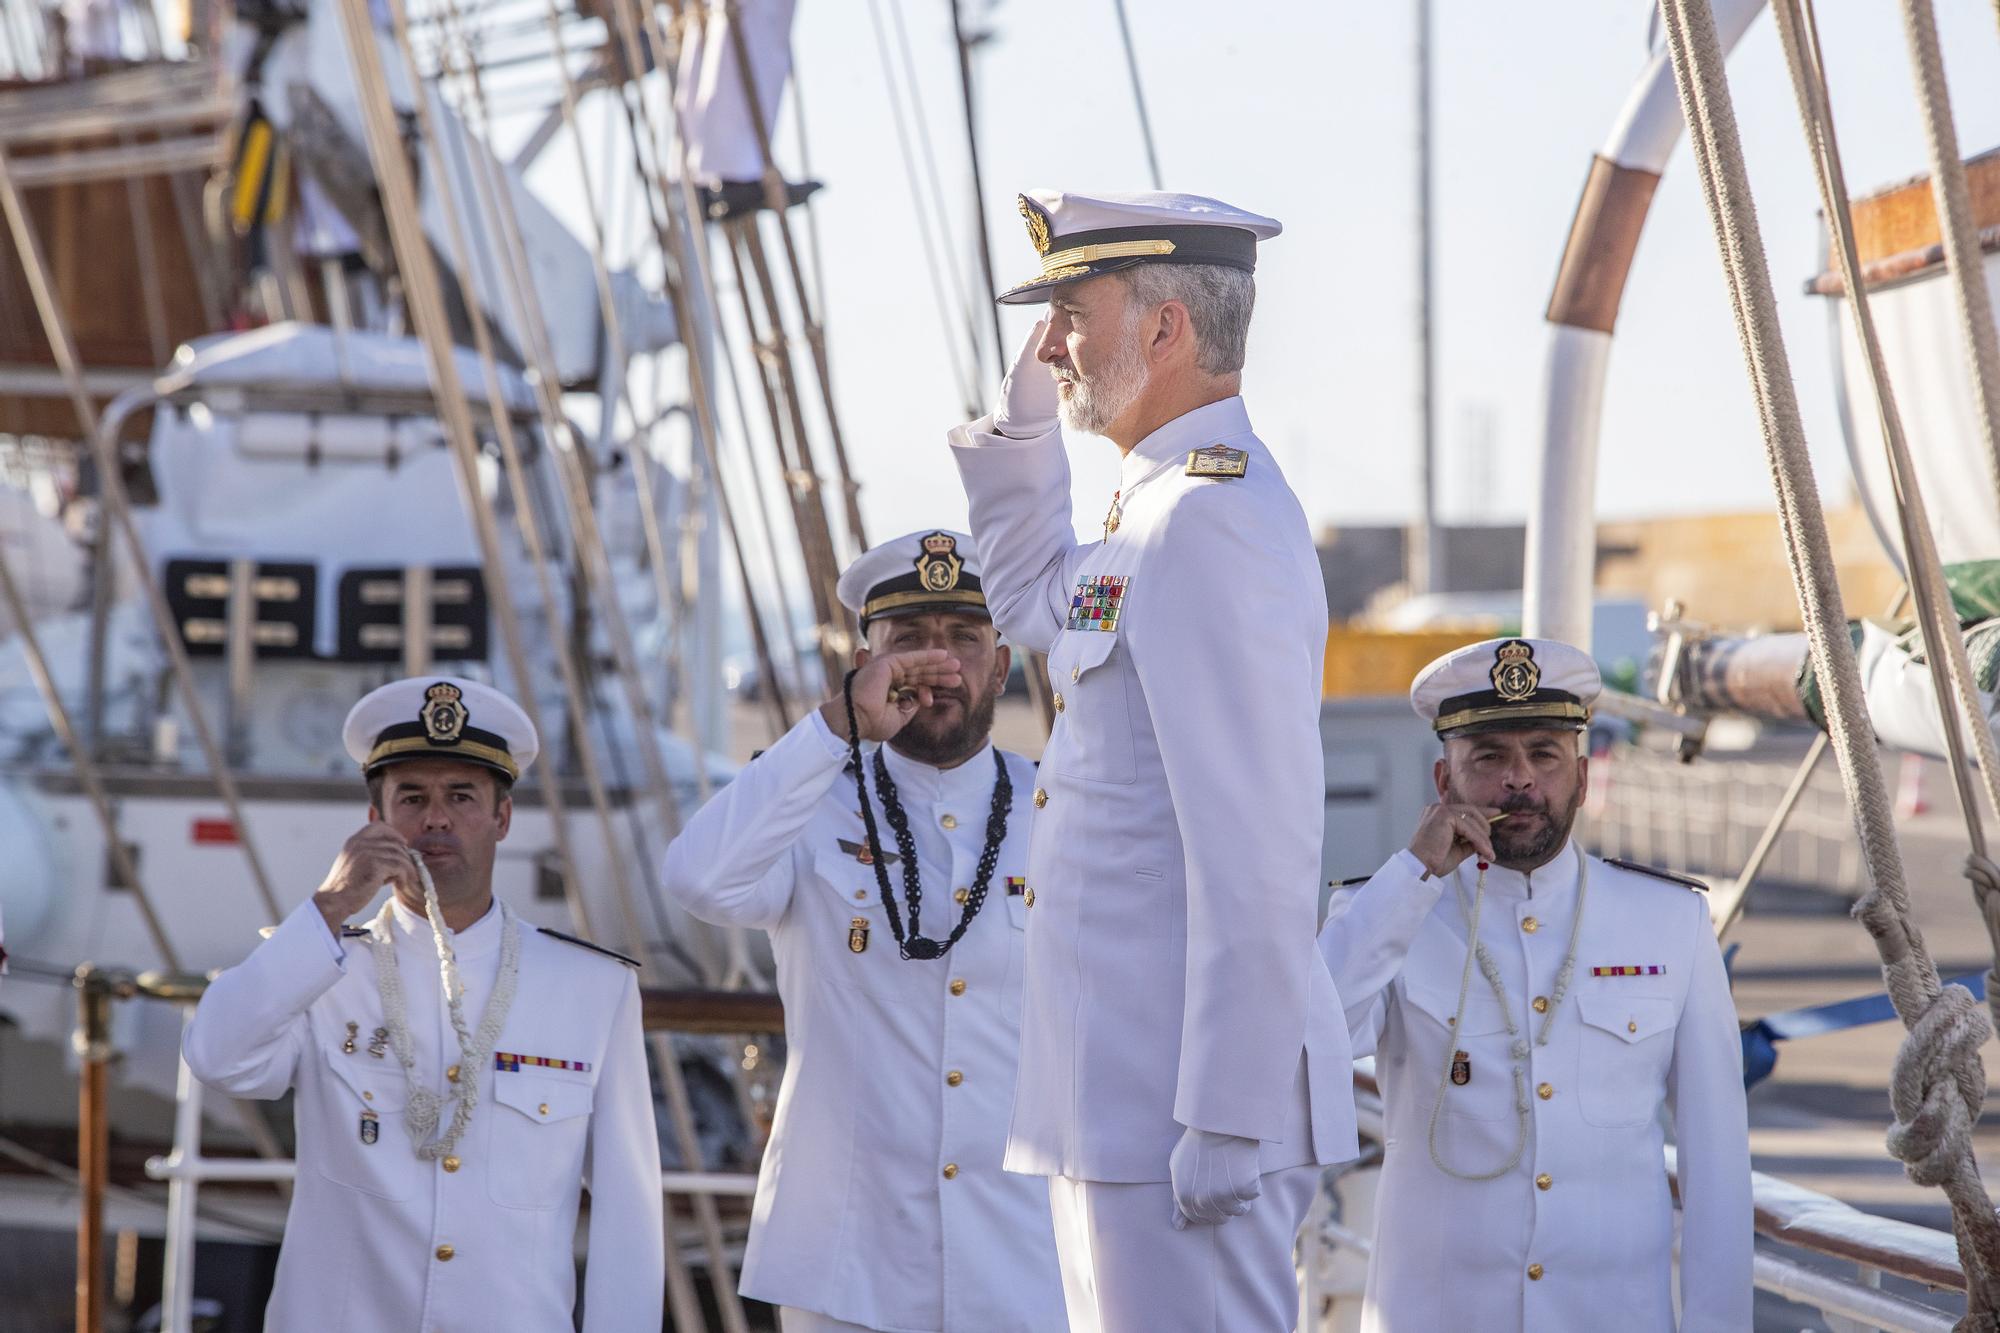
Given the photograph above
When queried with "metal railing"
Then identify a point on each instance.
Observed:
(1704, 819)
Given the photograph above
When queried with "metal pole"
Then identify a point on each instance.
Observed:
(177, 1283)
(93, 1141)
(1423, 574)
(978, 185)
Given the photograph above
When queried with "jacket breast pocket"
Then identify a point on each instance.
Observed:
(1623, 1052)
(1487, 1092)
(541, 1125)
(1092, 739)
(363, 1143)
(858, 950)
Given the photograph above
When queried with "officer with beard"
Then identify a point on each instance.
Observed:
(1523, 1079)
(883, 843)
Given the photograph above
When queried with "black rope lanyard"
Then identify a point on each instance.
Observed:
(914, 945)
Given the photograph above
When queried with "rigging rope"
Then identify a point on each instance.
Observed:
(1954, 212)
(940, 291)
(1953, 682)
(1938, 1083)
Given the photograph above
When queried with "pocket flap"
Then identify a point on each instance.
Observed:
(540, 1097)
(1076, 653)
(376, 1084)
(1630, 1018)
(1482, 1013)
(845, 877)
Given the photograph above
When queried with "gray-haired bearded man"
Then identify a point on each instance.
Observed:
(1184, 1069)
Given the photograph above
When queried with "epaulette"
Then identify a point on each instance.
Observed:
(1218, 460)
(1348, 883)
(1685, 881)
(594, 948)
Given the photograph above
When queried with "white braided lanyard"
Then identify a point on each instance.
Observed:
(1517, 1047)
(424, 1107)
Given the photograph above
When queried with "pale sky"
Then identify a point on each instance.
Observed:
(1305, 112)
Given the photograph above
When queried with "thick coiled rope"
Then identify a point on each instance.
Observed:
(1938, 1081)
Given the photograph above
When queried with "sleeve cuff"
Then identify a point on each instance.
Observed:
(1407, 859)
(836, 746)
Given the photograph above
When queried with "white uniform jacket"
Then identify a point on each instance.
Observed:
(379, 1240)
(1171, 978)
(881, 1201)
(1580, 1233)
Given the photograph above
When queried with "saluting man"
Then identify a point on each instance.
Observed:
(459, 1074)
(1183, 1064)
(892, 881)
(1532, 1010)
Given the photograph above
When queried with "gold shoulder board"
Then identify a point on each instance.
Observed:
(1218, 461)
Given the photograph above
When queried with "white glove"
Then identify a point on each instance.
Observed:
(1215, 1178)
(1028, 400)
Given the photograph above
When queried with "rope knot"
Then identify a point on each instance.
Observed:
(1937, 1087)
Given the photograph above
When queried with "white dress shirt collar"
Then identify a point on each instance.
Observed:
(1208, 424)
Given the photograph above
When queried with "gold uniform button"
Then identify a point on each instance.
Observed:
(1544, 1181)
(368, 1096)
(960, 895)
(1546, 1091)
(1534, 1272)
(1541, 1004)
(861, 895)
(1074, 672)
(451, 1164)
(958, 986)
(1028, 896)
(949, 821)
(1530, 925)
(1631, 1026)
(451, 1074)
(1041, 798)
(544, 1108)
(953, 1079)
(444, 1253)
(951, 1170)
(1059, 701)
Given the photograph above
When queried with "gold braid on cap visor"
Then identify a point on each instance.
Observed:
(1550, 712)
(472, 750)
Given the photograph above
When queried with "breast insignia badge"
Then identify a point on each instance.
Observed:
(859, 851)
(1461, 1068)
(371, 1127)
(1218, 460)
(857, 935)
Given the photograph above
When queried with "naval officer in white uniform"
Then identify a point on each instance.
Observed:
(1524, 1085)
(882, 1203)
(442, 1145)
(1184, 1069)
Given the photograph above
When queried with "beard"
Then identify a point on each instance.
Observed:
(1529, 844)
(1095, 401)
(928, 739)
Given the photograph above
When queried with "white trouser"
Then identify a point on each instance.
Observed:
(808, 1321)
(1126, 1270)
